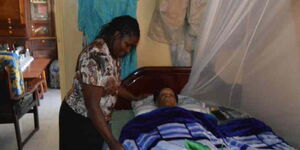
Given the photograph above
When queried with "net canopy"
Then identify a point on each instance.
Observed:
(248, 57)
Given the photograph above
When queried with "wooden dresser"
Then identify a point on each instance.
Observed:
(29, 23)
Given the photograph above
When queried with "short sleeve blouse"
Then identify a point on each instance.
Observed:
(96, 67)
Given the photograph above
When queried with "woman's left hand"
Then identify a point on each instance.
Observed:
(124, 93)
(140, 97)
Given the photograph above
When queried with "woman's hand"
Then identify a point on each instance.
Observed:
(125, 94)
(140, 97)
(92, 96)
(111, 87)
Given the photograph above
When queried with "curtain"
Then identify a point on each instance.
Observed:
(92, 14)
(247, 57)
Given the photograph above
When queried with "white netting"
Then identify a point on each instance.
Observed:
(248, 57)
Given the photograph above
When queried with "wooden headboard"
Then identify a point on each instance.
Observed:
(148, 80)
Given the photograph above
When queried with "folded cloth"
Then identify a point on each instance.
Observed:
(191, 145)
(12, 61)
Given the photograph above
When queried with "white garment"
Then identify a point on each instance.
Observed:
(179, 56)
(168, 21)
(195, 13)
(177, 22)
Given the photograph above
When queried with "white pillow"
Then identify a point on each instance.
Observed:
(186, 102)
(143, 106)
(192, 104)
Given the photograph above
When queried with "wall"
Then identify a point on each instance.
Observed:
(149, 53)
(69, 41)
(296, 15)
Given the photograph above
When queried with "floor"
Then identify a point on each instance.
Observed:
(47, 136)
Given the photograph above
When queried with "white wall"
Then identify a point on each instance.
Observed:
(150, 53)
(296, 15)
(69, 41)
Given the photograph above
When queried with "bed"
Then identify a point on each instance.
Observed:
(147, 80)
(179, 128)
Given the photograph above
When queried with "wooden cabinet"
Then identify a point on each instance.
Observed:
(41, 21)
(29, 23)
(12, 23)
(40, 29)
(43, 48)
(12, 18)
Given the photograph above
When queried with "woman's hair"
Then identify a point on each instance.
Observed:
(157, 93)
(126, 25)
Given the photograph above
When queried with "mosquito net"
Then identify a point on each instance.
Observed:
(248, 58)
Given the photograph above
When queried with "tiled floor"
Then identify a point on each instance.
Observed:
(47, 136)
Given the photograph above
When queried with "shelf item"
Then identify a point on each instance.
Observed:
(39, 10)
(25, 62)
(38, 1)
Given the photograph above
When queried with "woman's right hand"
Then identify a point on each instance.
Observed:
(111, 87)
(116, 146)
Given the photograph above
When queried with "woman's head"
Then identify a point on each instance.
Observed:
(121, 35)
(166, 97)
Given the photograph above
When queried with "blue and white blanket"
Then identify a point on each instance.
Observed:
(167, 128)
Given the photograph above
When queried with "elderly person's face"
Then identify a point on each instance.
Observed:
(123, 45)
(166, 98)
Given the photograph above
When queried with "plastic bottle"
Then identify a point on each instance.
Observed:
(27, 53)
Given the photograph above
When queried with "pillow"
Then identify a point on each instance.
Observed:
(147, 104)
(192, 104)
(143, 106)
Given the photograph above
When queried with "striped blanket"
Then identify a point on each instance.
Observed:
(169, 128)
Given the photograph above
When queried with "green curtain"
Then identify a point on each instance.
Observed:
(92, 14)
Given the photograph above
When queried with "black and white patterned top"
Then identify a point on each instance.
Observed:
(96, 67)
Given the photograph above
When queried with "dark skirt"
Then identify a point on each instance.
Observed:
(77, 132)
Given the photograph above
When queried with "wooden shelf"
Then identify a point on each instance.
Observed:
(42, 38)
(41, 21)
(38, 2)
(4, 37)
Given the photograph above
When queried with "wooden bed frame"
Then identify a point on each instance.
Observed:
(148, 80)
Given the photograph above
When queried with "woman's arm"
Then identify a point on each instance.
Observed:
(92, 96)
(124, 93)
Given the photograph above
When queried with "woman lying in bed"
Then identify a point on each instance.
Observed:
(175, 128)
(165, 97)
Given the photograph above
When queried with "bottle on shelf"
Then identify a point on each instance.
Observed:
(27, 53)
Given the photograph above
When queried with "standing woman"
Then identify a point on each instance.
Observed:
(87, 108)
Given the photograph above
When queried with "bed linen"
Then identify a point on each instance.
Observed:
(168, 128)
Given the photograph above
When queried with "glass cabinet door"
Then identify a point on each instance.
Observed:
(39, 10)
(40, 18)
(40, 29)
